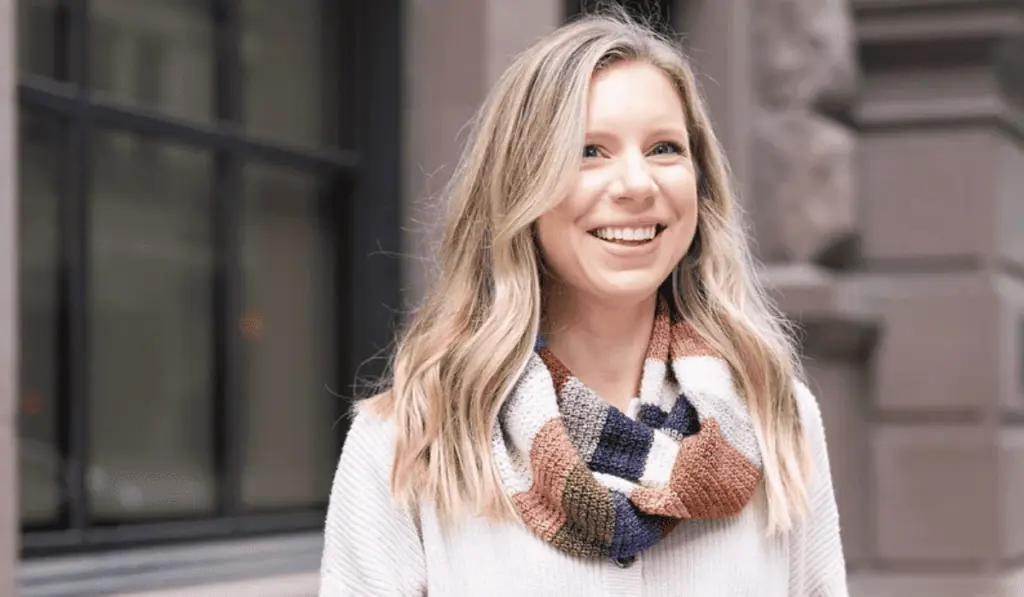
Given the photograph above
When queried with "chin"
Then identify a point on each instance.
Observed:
(627, 290)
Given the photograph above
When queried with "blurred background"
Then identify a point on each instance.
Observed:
(214, 212)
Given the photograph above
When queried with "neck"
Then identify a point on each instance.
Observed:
(603, 345)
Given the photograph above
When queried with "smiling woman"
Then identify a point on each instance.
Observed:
(596, 398)
(624, 225)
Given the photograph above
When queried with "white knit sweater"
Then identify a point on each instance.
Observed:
(374, 548)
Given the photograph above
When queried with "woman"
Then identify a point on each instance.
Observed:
(596, 398)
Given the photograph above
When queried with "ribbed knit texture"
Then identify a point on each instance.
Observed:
(373, 548)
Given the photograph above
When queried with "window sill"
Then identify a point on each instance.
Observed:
(282, 566)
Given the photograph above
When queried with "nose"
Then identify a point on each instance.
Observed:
(635, 180)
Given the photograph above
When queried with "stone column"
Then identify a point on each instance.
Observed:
(456, 50)
(803, 203)
(942, 184)
(9, 525)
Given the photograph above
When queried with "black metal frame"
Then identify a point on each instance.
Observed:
(360, 201)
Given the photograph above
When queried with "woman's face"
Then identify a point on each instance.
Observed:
(631, 215)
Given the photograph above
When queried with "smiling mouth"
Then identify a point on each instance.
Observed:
(629, 237)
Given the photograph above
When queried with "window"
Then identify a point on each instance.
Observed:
(203, 185)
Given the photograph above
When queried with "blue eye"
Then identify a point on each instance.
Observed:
(591, 151)
(666, 147)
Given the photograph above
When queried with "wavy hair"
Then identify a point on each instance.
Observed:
(470, 340)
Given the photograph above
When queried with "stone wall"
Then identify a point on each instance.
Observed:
(805, 212)
(887, 197)
(942, 155)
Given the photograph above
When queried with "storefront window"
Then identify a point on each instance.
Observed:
(193, 209)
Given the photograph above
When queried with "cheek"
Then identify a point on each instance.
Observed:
(680, 189)
(555, 225)
(683, 195)
(683, 201)
(555, 247)
(561, 244)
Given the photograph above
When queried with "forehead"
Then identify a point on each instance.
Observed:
(633, 92)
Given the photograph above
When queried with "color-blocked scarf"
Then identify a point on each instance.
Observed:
(594, 482)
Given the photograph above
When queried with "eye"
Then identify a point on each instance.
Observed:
(666, 148)
(591, 151)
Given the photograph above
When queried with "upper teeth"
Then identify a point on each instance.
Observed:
(626, 233)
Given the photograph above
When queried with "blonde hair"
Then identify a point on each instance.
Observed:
(470, 340)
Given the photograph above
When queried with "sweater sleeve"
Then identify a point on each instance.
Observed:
(372, 546)
(818, 567)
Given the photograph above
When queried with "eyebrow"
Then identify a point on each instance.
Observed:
(662, 131)
(673, 131)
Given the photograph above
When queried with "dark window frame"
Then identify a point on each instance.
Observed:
(361, 201)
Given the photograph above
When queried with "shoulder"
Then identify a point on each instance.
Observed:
(817, 563)
(806, 402)
(368, 452)
(810, 418)
(363, 474)
(369, 539)
(369, 424)
(370, 440)
(814, 439)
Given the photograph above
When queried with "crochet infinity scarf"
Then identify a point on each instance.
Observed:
(594, 482)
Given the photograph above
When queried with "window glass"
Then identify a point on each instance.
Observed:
(39, 302)
(156, 54)
(37, 37)
(283, 74)
(290, 259)
(151, 358)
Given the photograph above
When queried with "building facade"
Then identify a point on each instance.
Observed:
(168, 229)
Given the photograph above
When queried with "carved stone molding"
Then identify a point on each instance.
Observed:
(839, 320)
(805, 167)
(805, 74)
(978, 45)
(804, 53)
